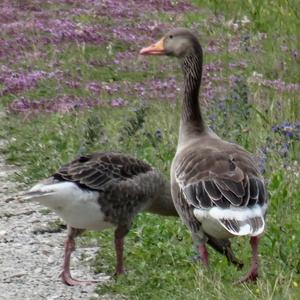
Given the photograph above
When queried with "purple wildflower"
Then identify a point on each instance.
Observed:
(295, 54)
(62, 104)
(66, 30)
(111, 88)
(136, 33)
(130, 9)
(72, 84)
(284, 150)
(239, 64)
(276, 84)
(14, 82)
(158, 134)
(212, 47)
(118, 102)
(94, 87)
(289, 130)
(126, 55)
(261, 159)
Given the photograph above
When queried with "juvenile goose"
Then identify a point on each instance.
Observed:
(216, 186)
(104, 190)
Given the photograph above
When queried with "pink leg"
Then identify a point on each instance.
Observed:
(203, 254)
(253, 272)
(119, 246)
(69, 248)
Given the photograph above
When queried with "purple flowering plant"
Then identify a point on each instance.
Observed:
(71, 82)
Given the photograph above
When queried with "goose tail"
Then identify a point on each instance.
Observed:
(49, 191)
(241, 221)
(40, 192)
(253, 227)
(35, 195)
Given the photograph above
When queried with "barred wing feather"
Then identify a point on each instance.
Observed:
(221, 186)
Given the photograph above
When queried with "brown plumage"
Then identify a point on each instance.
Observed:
(216, 186)
(103, 190)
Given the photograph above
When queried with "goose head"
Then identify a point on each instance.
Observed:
(179, 42)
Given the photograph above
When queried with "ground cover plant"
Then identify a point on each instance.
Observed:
(71, 82)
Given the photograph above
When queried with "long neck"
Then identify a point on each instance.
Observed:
(191, 117)
(163, 204)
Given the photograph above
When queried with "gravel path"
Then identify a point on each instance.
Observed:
(31, 255)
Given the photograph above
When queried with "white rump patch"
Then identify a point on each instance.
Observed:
(235, 213)
(242, 216)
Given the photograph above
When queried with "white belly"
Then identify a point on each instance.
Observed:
(84, 214)
(79, 208)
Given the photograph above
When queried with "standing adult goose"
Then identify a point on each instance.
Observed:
(216, 186)
(104, 190)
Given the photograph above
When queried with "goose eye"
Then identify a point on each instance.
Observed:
(171, 36)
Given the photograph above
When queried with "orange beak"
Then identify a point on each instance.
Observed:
(154, 49)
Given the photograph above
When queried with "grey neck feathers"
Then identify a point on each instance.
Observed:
(163, 203)
(191, 117)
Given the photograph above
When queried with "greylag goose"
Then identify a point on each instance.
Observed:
(216, 186)
(104, 190)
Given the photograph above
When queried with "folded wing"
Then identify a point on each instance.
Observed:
(97, 170)
(226, 187)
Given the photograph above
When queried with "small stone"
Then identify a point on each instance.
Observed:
(17, 275)
(94, 296)
(51, 260)
(53, 297)
(9, 199)
(46, 252)
(38, 270)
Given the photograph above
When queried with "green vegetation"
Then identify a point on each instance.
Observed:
(252, 50)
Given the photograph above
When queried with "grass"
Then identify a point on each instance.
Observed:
(242, 103)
